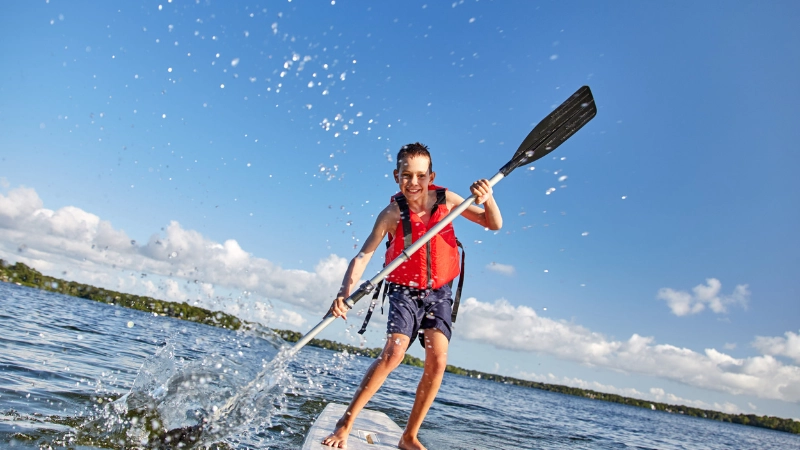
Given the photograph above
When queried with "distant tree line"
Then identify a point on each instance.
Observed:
(294, 336)
(21, 274)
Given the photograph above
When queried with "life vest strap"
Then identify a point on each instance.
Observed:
(405, 219)
(372, 307)
(457, 296)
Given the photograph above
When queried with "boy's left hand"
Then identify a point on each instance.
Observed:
(482, 190)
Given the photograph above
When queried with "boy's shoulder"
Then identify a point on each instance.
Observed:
(390, 212)
(453, 199)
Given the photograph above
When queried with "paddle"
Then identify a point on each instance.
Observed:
(551, 132)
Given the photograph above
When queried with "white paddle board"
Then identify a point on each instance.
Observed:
(372, 430)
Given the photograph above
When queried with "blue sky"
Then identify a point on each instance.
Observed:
(235, 154)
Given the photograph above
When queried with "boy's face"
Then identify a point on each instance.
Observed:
(414, 177)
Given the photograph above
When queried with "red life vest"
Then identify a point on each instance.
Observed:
(433, 265)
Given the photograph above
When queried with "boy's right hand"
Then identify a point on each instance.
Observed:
(339, 308)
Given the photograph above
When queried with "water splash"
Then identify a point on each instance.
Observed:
(219, 397)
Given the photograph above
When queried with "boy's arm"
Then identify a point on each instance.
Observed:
(489, 216)
(386, 222)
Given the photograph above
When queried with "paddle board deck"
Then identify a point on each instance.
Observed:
(373, 430)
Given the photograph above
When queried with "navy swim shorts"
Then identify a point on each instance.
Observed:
(412, 310)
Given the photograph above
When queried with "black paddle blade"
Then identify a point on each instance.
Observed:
(556, 128)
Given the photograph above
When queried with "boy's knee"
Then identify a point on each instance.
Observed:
(436, 345)
(393, 359)
(394, 352)
(436, 362)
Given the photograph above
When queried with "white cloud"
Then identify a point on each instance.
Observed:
(92, 251)
(519, 328)
(778, 346)
(291, 318)
(173, 291)
(20, 204)
(503, 269)
(683, 303)
(207, 289)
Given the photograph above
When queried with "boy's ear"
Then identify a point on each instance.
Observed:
(432, 177)
(396, 180)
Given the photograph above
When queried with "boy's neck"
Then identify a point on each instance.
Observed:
(422, 205)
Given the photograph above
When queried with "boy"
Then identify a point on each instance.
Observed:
(420, 299)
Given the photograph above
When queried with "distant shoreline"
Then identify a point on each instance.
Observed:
(23, 275)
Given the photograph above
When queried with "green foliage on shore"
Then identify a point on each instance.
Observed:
(21, 274)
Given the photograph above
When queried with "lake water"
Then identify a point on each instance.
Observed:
(81, 374)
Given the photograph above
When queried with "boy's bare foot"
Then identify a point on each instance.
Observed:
(338, 439)
(410, 443)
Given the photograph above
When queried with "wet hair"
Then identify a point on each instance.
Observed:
(412, 150)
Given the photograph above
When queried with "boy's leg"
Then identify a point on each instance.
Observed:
(391, 357)
(436, 344)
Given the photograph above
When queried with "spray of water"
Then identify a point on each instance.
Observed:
(177, 402)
